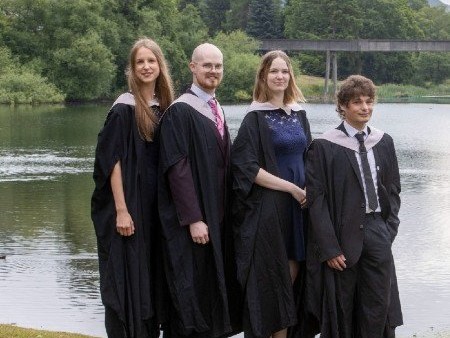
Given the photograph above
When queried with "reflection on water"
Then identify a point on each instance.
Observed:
(40, 164)
(49, 278)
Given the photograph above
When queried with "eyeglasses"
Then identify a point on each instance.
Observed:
(209, 66)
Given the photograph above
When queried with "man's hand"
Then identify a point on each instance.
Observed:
(337, 263)
(199, 232)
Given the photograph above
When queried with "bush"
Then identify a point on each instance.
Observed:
(85, 70)
(21, 84)
(240, 65)
(27, 88)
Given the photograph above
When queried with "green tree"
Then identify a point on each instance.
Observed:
(418, 4)
(6, 64)
(364, 19)
(240, 65)
(433, 67)
(85, 70)
(316, 19)
(183, 3)
(389, 19)
(263, 19)
(434, 23)
(20, 84)
(236, 17)
(195, 30)
(192, 32)
(41, 31)
(215, 15)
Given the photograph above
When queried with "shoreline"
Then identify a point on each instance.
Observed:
(430, 99)
(13, 331)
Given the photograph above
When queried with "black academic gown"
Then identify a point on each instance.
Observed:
(259, 218)
(198, 292)
(337, 209)
(128, 265)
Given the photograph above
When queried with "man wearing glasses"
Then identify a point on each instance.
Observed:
(194, 167)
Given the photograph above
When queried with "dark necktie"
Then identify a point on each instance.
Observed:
(370, 187)
(219, 122)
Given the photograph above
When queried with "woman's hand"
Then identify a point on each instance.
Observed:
(299, 194)
(267, 180)
(124, 223)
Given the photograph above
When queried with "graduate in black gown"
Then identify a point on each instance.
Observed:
(269, 183)
(353, 190)
(194, 169)
(124, 202)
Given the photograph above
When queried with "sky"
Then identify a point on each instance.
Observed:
(447, 2)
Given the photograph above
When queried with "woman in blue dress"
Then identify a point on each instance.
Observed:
(269, 186)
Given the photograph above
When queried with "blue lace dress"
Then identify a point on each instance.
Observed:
(289, 142)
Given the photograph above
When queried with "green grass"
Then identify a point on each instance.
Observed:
(11, 331)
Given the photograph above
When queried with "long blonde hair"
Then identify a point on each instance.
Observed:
(261, 91)
(146, 118)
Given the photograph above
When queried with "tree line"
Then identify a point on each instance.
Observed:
(76, 50)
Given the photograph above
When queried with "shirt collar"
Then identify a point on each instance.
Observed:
(201, 93)
(351, 131)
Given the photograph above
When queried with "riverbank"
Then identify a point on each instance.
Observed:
(313, 89)
(11, 331)
(311, 86)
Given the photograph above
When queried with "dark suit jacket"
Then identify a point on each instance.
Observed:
(337, 209)
(336, 196)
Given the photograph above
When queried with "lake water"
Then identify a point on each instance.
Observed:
(49, 278)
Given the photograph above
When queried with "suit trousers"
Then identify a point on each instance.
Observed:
(363, 290)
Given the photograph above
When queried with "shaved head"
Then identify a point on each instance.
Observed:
(207, 67)
(204, 49)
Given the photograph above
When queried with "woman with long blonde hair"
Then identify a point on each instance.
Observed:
(124, 204)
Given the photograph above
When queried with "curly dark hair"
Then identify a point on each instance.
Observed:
(351, 87)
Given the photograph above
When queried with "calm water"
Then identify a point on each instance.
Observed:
(49, 278)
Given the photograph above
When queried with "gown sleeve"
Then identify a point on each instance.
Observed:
(316, 190)
(244, 156)
(110, 147)
(175, 136)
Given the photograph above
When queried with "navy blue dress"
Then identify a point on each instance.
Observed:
(289, 142)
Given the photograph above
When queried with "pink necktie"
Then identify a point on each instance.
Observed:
(219, 122)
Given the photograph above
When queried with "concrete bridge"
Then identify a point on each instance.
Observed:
(360, 45)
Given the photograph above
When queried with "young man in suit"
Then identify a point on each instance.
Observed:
(353, 187)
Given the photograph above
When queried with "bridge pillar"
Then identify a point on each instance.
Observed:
(335, 71)
(331, 64)
(327, 75)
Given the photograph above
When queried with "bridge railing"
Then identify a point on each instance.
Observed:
(360, 45)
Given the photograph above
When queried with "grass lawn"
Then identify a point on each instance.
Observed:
(11, 331)
(313, 88)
